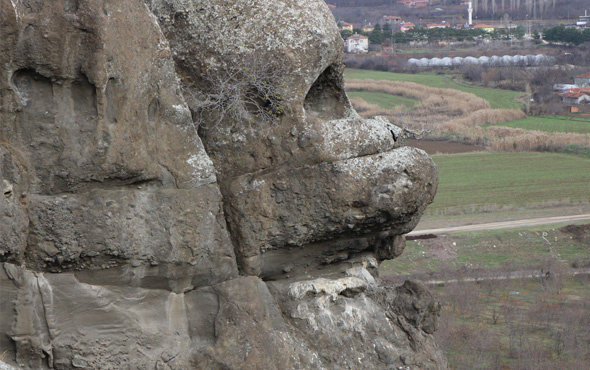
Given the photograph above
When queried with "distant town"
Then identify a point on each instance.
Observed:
(458, 21)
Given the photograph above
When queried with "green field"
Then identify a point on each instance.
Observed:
(480, 182)
(498, 99)
(385, 101)
(551, 124)
(522, 248)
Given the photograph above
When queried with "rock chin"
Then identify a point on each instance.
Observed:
(132, 238)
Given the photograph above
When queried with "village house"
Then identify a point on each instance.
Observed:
(346, 26)
(368, 28)
(484, 27)
(392, 19)
(415, 3)
(582, 80)
(437, 25)
(357, 44)
(406, 26)
(576, 95)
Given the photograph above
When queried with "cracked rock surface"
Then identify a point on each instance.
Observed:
(134, 233)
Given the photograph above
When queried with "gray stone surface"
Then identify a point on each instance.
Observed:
(132, 238)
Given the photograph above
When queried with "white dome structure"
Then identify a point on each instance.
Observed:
(483, 60)
(447, 62)
(457, 61)
(507, 60)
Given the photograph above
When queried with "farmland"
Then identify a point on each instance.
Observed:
(492, 181)
(551, 124)
(383, 100)
(498, 99)
(510, 294)
(493, 250)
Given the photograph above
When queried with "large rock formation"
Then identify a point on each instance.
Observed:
(185, 185)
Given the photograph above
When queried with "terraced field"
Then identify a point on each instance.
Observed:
(383, 100)
(498, 99)
(552, 124)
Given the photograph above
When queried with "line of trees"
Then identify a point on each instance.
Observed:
(449, 33)
(570, 35)
(381, 35)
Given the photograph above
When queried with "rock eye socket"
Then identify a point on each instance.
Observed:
(326, 98)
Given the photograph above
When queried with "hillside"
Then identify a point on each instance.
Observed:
(359, 11)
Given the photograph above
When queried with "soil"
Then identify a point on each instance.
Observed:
(444, 147)
(580, 233)
(441, 247)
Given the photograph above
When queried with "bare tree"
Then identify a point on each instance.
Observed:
(247, 91)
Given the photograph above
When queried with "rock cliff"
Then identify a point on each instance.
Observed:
(185, 185)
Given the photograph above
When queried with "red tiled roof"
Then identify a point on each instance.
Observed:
(574, 95)
(584, 75)
(585, 90)
(482, 26)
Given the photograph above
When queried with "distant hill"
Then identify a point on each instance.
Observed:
(483, 9)
(357, 3)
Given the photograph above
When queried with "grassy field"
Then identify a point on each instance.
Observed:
(518, 323)
(498, 99)
(512, 249)
(481, 182)
(385, 101)
(551, 124)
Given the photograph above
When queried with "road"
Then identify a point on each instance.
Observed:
(490, 276)
(503, 225)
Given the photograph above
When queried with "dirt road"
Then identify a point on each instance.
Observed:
(503, 225)
(509, 275)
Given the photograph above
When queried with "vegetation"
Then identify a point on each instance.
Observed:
(383, 100)
(516, 324)
(454, 34)
(487, 181)
(491, 250)
(509, 297)
(460, 112)
(243, 92)
(498, 99)
(551, 124)
(570, 35)
(357, 11)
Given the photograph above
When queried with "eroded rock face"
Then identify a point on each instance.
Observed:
(316, 172)
(124, 225)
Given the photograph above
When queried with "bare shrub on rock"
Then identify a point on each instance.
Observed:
(244, 92)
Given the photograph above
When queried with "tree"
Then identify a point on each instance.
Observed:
(345, 34)
(376, 37)
(243, 92)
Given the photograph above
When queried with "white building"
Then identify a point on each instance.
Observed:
(584, 20)
(357, 44)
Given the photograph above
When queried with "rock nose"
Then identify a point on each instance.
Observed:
(329, 212)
